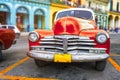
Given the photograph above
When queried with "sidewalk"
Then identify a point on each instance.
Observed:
(114, 32)
(24, 33)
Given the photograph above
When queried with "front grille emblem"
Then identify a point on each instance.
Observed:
(65, 45)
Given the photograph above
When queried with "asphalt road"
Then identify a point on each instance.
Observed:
(16, 65)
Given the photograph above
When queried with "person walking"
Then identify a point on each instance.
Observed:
(28, 28)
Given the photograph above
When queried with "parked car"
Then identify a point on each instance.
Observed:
(16, 30)
(75, 38)
(7, 37)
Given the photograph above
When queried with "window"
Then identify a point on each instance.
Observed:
(4, 27)
(76, 13)
(10, 27)
(111, 5)
(89, 4)
(117, 6)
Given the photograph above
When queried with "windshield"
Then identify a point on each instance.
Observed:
(10, 27)
(76, 13)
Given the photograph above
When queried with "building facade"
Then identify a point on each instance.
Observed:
(25, 13)
(114, 14)
(57, 5)
(32, 14)
(100, 7)
(39, 14)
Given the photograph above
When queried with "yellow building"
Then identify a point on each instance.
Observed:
(100, 7)
(57, 5)
(114, 14)
(53, 9)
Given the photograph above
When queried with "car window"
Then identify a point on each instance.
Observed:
(11, 27)
(76, 13)
(4, 27)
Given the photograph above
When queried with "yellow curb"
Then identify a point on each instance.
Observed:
(13, 66)
(8, 77)
(117, 67)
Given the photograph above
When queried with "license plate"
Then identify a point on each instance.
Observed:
(64, 58)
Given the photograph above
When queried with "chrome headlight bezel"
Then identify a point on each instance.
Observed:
(33, 36)
(101, 38)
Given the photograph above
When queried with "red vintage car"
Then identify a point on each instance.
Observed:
(75, 37)
(6, 39)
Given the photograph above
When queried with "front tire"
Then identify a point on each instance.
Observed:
(40, 63)
(1, 58)
(100, 65)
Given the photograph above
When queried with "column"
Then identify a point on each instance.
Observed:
(13, 16)
(31, 20)
(98, 22)
(47, 22)
(119, 22)
(107, 22)
(113, 22)
(8, 18)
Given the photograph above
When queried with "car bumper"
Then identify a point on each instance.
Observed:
(17, 35)
(49, 56)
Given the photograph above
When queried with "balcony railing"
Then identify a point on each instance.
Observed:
(115, 11)
(34, 1)
(106, 1)
(98, 10)
(65, 2)
(59, 2)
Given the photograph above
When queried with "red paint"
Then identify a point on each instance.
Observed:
(67, 25)
(42, 34)
(7, 37)
(92, 34)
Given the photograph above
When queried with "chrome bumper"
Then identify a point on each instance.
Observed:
(49, 56)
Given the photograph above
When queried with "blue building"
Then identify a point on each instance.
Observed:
(24, 13)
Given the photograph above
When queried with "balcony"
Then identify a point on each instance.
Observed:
(59, 2)
(115, 11)
(34, 1)
(105, 1)
(98, 10)
(65, 2)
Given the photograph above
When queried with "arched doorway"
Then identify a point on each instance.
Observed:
(53, 17)
(110, 22)
(116, 22)
(22, 20)
(4, 14)
(39, 19)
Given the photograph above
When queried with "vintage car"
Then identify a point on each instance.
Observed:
(6, 39)
(75, 37)
(16, 30)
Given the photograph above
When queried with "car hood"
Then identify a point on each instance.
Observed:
(72, 25)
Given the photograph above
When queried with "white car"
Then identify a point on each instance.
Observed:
(16, 30)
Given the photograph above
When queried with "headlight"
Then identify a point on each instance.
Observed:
(33, 36)
(101, 38)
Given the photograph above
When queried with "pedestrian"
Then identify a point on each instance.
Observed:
(28, 27)
(105, 28)
(116, 29)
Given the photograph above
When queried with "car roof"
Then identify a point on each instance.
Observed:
(7, 25)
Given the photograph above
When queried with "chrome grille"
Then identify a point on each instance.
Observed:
(66, 44)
